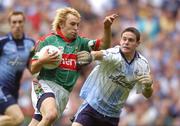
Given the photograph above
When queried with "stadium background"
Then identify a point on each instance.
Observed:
(159, 23)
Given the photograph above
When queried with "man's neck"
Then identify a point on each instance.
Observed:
(17, 37)
(129, 57)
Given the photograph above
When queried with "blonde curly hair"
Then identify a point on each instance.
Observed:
(61, 15)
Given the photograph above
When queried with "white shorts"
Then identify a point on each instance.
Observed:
(49, 87)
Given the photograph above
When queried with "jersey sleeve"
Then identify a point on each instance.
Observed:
(145, 69)
(40, 43)
(1, 46)
(38, 46)
(89, 44)
(3, 40)
(31, 46)
(110, 54)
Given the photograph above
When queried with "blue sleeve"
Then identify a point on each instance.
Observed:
(3, 40)
(1, 46)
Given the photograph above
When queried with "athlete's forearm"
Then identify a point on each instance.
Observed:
(106, 40)
(97, 55)
(36, 66)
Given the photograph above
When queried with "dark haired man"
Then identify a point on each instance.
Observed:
(107, 87)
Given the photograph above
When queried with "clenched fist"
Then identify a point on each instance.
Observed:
(145, 80)
(84, 58)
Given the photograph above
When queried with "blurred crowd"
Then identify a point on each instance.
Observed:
(159, 24)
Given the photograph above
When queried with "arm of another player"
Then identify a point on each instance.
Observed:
(106, 40)
(147, 81)
(97, 55)
(84, 57)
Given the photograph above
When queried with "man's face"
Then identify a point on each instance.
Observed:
(70, 26)
(128, 43)
(17, 26)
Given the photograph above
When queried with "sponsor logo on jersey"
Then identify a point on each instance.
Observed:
(122, 80)
(16, 62)
(68, 62)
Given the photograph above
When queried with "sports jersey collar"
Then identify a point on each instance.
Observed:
(63, 37)
(136, 55)
(11, 37)
(18, 42)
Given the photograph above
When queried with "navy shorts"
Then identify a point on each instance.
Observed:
(90, 117)
(6, 99)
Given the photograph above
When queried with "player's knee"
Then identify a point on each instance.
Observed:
(17, 121)
(51, 116)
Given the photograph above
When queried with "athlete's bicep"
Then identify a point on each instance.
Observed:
(89, 44)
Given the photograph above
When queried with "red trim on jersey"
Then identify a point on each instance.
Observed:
(41, 39)
(63, 37)
(36, 44)
(45, 36)
(68, 62)
(32, 60)
(97, 45)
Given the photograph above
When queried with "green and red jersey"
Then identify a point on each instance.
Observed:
(67, 72)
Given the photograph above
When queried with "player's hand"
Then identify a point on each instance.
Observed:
(49, 58)
(109, 20)
(145, 80)
(84, 58)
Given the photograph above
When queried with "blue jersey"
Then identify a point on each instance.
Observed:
(108, 85)
(14, 56)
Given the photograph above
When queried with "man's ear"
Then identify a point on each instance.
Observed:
(138, 42)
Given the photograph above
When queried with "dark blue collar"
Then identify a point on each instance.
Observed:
(135, 55)
(11, 37)
(19, 42)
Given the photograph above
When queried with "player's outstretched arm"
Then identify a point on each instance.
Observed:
(85, 58)
(97, 55)
(106, 40)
